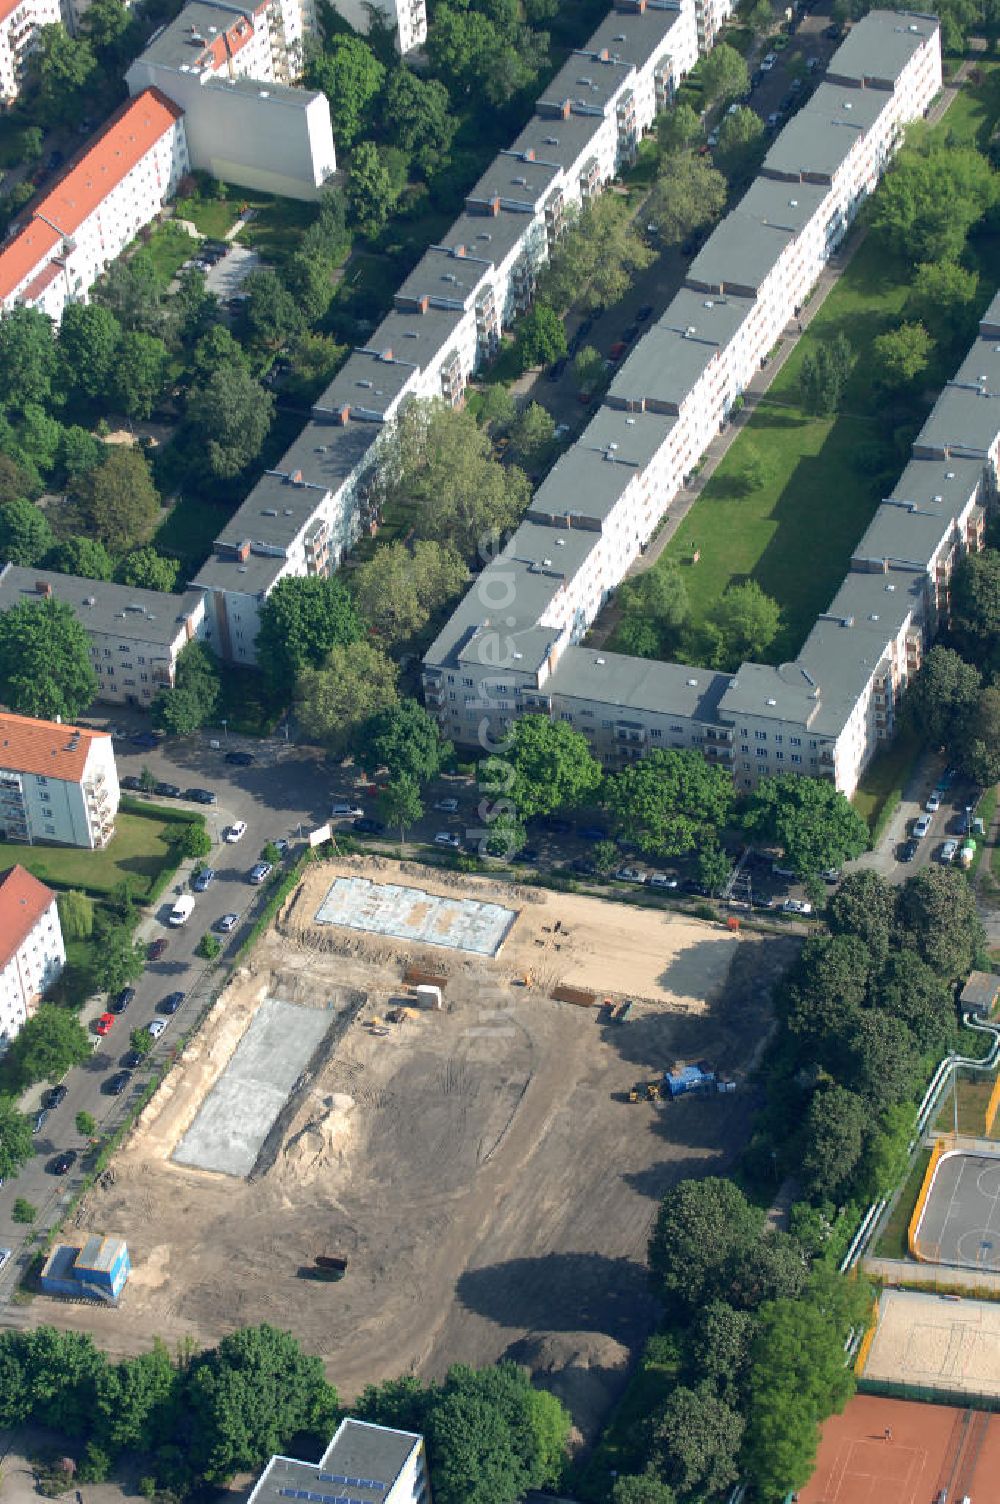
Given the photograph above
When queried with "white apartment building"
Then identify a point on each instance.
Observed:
(58, 783)
(407, 18)
(364, 1464)
(512, 646)
(20, 21)
(121, 180)
(136, 635)
(32, 954)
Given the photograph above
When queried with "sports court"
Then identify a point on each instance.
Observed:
(960, 1221)
(903, 1452)
(936, 1343)
(414, 914)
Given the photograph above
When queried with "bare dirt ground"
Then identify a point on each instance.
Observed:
(481, 1167)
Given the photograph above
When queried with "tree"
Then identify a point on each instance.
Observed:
(823, 996)
(76, 914)
(231, 412)
(979, 745)
(140, 372)
(659, 598)
(703, 1229)
(217, 348)
(719, 1347)
(45, 661)
(943, 696)
(712, 866)
(314, 359)
(812, 821)
(79, 451)
(250, 1396)
(901, 356)
(741, 142)
(28, 359)
(148, 570)
(417, 111)
(823, 375)
(689, 194)
(353, 684)
(351, 77)
(400, 805)
(504, 837)
(47, 1046)
(63, 72)
(301, 620)
(398, 590)
(677, 128)
(135, 1406)
(540, 337)
(82, 556)
(370, 191)
(666, 801)
(942, 298)
(16, 1139)
(120, 959)
(938, 919)
(641, 1488)
(747, 621)
(25, 535)
(833, 1136)
(975, 605)
(911, 990)
(532, 434)
(117, 501)
(194, 698)
(56, 1374)
(132, 290)
(405, 739)
(15, 480)
(930, 199)
(596, 258)
(497, 409)
(697, 1439)
(193, 841)
(547, 766)
(23, 1211)
(105, 24)
(588, 368)
(141, 1041)
(758, 15)
(86, 1124)
(89, 336)
(724, 75)
(209, 946)
(309, 281)
(489, 56)
(271, 314)
(865, 905)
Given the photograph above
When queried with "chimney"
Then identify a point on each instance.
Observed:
(42, 587)
(342, 414)
(296, 477)
(243, 552)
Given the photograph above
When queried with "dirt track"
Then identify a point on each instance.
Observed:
(480, 1166)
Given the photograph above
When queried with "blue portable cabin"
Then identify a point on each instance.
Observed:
(96, 1271)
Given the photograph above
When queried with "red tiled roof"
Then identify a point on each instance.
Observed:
(23, 901)
(46, 747)
(130, 133)
(7, 8)
(47, 275)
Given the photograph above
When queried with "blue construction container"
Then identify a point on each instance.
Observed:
(688, 1078)
(96, 1271)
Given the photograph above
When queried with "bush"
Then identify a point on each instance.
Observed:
(85, 1124)
(23, 1211)
(208, 947)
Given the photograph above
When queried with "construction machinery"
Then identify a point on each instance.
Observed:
(633, 1095)
(653, 1091)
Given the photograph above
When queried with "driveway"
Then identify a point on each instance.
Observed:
(227, 276)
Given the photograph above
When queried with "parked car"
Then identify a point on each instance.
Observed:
(117, 1083)
(122, 999)
(281, 847)
(921, 826)
(39, 1120)
(156, 1027)
(167, 790)
(240, 759)
(145, 739)
(367, 826)
(447, 838)
(170, 1003)
(630, 875)
(55, 1095)
(663, 880)
(644, 313)
(104, 1024)
(796, 906)
(181, 912)
(948, 852)
(343, 809)
(203, 880)
(200, 796)
(908, 851)
(5, 1255)
(63, 1162)
(832, 875)
(226, 923)
(131, 783)
(933, 803)
(259, 873)
(156, 949)
(556, 369)
(235, 832)
(447, 806)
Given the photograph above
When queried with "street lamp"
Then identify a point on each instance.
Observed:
(225, 727)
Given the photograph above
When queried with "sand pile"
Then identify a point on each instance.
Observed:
(321, 1142)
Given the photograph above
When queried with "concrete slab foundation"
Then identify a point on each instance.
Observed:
(239, 1112)
(412, 914)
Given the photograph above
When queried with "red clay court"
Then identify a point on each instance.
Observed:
(932, 1447)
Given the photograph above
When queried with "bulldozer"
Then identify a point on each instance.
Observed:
(633, 1095)
(652, 1091)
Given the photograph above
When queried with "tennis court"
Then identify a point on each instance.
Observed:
(883, 1451)
(960, 1221)
(936, 1344)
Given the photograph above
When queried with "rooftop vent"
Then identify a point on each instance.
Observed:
(91, 600)
(551, 140)
(708, 303)
(949, 475)
(692, 684)
(546, 563)
(793, 203)
(560, 543)
(600, 662)
(269, 512)
(939, 498)
(848, 105)
(890, 588)
(771, 700)
(873, 616)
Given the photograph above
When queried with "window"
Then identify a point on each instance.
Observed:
(607, 725)
(107, 652)
(469, 683)
(796, 741)
(39, 779)
(761, 751)
(45, 798)
(760, 736)
(678, 728)
(656, 734)
(779, 756)
(50, 830)
(796, 757)
(779, 738)
(744, 746)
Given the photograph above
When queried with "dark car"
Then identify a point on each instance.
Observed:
(367, 826)
(131, 782)
(200, 796)
(557, 826)
(131, 1059)
(167, 790)
(630, 333)
(203, 880)
(55, 1095)
(240, 759)
(145, 739)
(583, 865)
(593, 833)
(585, 328)
(63, 1162)
(529, 854)
(644, 313)
(156, 949)
(832, 33)
(121, 1001)
(117, 1083)
(908, 850)
(556, 369)
(170, 1003)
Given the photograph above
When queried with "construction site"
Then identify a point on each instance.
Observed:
(405, 1133)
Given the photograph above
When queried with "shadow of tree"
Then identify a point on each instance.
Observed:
(564, 1292)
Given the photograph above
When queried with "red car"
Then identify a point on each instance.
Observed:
(156, 949)
(105, 1023)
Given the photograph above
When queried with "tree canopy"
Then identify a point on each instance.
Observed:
(546, 766)
(668, 801)
(194, 698)
(47, 1045)
(930, 199)
(301, 620)
(351, 77)
(814, 824)
(596, 258)
(689, 194)
(45, 667)
(400, 588)
(354, 682)
(405, 739)
(703, 1229)
(25, 534)
(231, 412)
(16, 1142)
(116, 502)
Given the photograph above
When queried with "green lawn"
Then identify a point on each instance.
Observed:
(277, 226)
(168, 248)
(892, 1243)
(882, 782)
(189, 530)
(213, 217)
(139, 853)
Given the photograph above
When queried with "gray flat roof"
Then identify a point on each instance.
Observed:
(712, 316)
(589, 478)
(665, 366)
(639, 684)
(905, 533)
(285, 94)
(990, 321)
(418, 337)
(487, 238)
(962, 418)
(362, 1461)
(516, 180)
(981, 366)
(558, 140)
(880, 46)
(634, 36)
(369, 379)
(588, 84)
(788, 205)
(821, 136)
(940, 485)
(741, 252)
(783, 693)
(187, 40)
(150, 615)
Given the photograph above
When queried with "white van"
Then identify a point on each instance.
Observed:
(181, 911)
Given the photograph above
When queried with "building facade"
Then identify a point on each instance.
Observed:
(118, 184)
(364, 1464)
(20, 22)
(407, 18)
(136, 635)
(32, 954)
(58, 784)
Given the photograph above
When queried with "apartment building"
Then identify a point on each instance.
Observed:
(230, 71)
(58, 783)
(407, 18)
(449, 312)
(122, 178)
(20, 22)
(364, 1464)
(32, 954)
(136, 635)
(513, 645)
